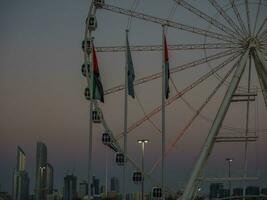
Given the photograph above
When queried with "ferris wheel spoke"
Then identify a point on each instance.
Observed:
(207, 18)
(170, 47)
(237, 14)
(257, 16)
(226, 17)
(261, 27)
(180, 94)
(168, 23)
(175, 69)
(248, 16)
(180, 134)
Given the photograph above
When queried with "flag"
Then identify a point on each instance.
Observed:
(98, 92)
(129, 63)
(166, 68)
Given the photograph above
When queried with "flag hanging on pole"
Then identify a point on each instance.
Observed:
(129, 63)
(98, 92)
(166, 68)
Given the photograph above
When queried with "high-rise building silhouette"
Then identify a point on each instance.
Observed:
(41, 164)
(215, 190)
(49, 178)
(70, 187)
(252, 190)
(20, 187)
(264, 191)
(114, 184)
(83, 189)
(95, 190)
(238, 192)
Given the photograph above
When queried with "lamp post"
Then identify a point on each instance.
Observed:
(143, 142)
(229, 160)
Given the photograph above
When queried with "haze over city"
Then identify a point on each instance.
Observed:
(42, 92)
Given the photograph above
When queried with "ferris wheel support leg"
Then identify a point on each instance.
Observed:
(261, 67)
(209, 143)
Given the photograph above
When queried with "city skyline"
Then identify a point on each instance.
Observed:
(42, 95)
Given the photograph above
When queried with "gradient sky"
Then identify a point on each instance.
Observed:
(41, 90)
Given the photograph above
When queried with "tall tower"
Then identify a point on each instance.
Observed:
(41, 164)
(49, 178)
(20, 188)
(70, 187)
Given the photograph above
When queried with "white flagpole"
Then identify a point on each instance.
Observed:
(90, 123)
(125, 120)
(163, 163)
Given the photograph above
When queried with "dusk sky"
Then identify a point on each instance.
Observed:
(41, 91)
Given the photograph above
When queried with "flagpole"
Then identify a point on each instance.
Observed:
(163, 163)
(90, 123)
(125, 119)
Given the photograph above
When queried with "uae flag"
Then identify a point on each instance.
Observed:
(129, 63)
(98, 92)
(166, 68)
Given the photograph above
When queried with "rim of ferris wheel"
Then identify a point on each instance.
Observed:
(92, 24)
(87, 93)
(98, 3)
(97, 115)
(84, 70)
(88, 47)
(156, 192)
(106, 139)
(120, 159)
(137, 177)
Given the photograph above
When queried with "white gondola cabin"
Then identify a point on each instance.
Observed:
(137, 177)
(97, 116)
(92, 24)
(99, 3)
(156, 192)
(84, 70)
(88, 46)
(106, 139)
(87, 93)
(120, 159)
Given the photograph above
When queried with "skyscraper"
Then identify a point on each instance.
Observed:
(20, 188)
(70, 187)
(95, 190)
(114, 184)
(41, 164)
(83, 189)
(49, 178)
(215, 190)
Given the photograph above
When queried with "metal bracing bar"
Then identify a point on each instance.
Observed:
(196, 114)
(168, 23)
(170, 47)
(226, 17)
(180, 94)
(225, 179)
(242, 100)
(248, 17)
(237, 14)
(245, 94)
(207, 18)
(174, 70)
(237, 137)
(257, 17)
(216, 125)
(261, 27)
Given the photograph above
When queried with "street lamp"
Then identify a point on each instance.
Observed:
(229, 160)
(143, 142)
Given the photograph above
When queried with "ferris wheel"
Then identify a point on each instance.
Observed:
(220, 59)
